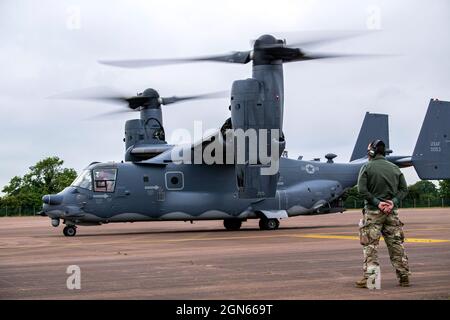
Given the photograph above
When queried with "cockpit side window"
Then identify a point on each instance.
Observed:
(104, 180)
(84, 180)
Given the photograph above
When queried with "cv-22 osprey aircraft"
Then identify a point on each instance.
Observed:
(150, 185)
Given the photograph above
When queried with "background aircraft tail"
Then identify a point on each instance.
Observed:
(431, 157)
(375, 126)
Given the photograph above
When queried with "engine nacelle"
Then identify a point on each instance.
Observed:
(144, 140)
(134, 133)
(258, 140)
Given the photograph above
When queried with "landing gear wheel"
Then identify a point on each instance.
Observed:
(70, 231)
(232, 224)
(269, 224)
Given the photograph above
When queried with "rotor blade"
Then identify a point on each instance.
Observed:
(322, 37)
(136, 101)
(175, 99)
(233, 57)
(315, 56)
(109, 114)
(104, 94)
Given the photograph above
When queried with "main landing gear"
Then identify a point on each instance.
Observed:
(264, 224)
(268, 224)
(70, 231)
(232, 224)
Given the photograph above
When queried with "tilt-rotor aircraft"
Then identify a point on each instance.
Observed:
(151, 186)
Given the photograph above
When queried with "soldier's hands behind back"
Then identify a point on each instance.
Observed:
(386, 206)
(390, 206)
(383, 207)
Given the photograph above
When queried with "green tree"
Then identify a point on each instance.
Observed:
(444, 188)
(351, 193)
(350, 196)
(45, 177)
(423, 190)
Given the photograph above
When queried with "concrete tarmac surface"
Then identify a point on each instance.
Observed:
(309, 257)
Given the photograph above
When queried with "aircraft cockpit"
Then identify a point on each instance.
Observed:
(97, 180)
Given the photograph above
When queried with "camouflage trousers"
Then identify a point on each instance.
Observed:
(375, 224)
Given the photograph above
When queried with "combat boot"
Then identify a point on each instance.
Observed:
(361, 283)
(404, 281)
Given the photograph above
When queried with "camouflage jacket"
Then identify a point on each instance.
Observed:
(381, 180)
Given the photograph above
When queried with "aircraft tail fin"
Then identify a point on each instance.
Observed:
(375, 126)
(431, 157)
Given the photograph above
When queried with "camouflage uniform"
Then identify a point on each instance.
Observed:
(379, 180)
(376, 223)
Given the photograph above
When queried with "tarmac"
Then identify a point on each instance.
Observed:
(309, 257)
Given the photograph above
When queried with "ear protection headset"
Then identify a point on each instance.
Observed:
(375, 147)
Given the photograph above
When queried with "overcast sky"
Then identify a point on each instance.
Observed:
(50, 47)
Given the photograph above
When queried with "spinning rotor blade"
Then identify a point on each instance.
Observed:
(175, 99)
(149, 98)
(102, 94)
(317, 38)
(109, 114)
(291, 51)
(294, 51)
(315, 56)
(233, 57)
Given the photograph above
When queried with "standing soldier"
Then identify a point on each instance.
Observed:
(382, 185)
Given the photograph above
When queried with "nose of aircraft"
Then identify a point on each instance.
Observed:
(53, 199)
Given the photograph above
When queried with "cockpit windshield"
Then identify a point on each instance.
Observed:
(104, 180)
(84, 180)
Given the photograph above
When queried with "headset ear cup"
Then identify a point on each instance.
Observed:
(369, 149)
(373, 148)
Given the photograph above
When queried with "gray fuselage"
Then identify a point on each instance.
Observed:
(145, 192)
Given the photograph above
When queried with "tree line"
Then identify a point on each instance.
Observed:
(47, 176)
(423, 193)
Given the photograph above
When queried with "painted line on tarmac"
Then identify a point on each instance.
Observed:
(330, 236)
(224, 238)
(209, 238)
(310, 236)
(405, 229)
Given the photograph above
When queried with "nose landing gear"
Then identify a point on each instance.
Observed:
(55, 222)
(70, 231)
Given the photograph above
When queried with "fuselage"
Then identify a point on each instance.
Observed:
(127, 192)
